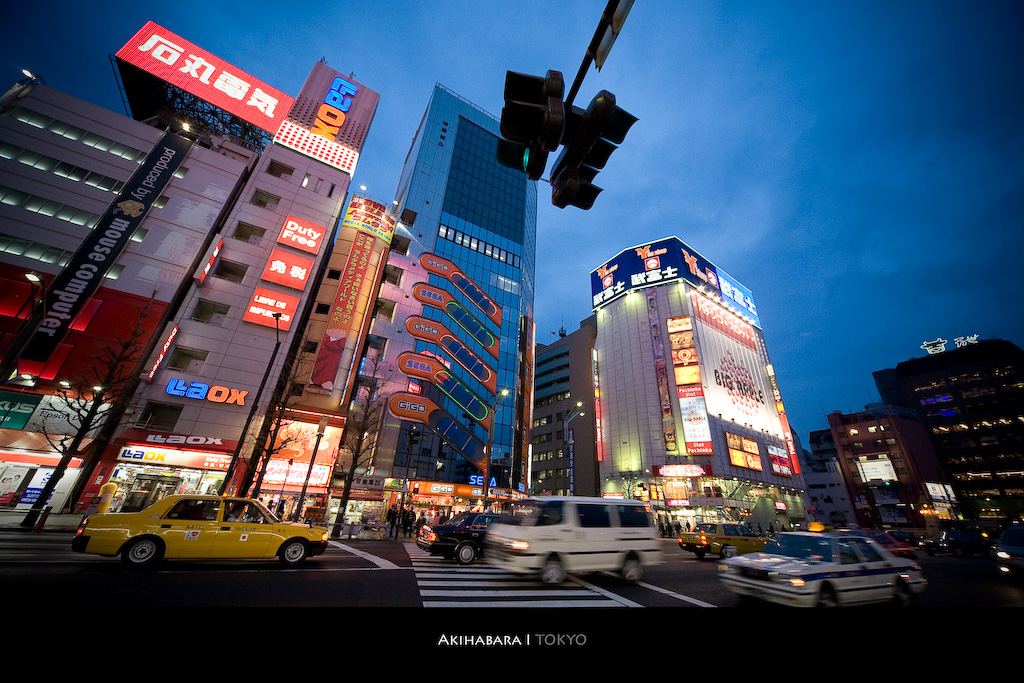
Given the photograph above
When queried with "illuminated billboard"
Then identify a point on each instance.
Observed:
(662, 262)
(736, 385)
(175, 60)
(330, 119)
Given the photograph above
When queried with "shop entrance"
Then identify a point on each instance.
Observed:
(147, 489)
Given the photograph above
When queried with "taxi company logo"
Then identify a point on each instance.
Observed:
(412, 407)
(332, 113)
(131, 208)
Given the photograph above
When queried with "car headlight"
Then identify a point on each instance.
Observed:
(517, 546)
(1002, 554)
(796, 582)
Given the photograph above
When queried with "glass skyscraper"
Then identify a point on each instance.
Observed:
(457, 203)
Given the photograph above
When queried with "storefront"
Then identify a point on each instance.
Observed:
(23, 474)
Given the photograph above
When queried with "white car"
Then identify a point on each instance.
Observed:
(805, 569)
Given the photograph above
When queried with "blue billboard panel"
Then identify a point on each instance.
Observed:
(664, 261)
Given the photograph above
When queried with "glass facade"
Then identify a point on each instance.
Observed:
(481, 216)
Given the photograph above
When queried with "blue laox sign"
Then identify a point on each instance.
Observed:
(201, 391)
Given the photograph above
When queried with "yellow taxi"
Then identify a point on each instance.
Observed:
(199, 527)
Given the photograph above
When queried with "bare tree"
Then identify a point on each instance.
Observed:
(81, 406)
(366, 416)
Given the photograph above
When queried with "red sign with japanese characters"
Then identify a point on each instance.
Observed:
(171, 58)
(287, 269)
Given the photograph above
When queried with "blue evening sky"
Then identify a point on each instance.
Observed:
(857, 164)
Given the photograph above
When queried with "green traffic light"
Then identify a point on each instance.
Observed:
(526, 159)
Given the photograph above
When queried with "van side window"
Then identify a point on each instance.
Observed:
(592, 515)
(633, 516)
(550, 515)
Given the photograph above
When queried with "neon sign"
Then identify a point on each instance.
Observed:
(201, 390)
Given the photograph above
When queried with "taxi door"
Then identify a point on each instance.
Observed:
(880, 573)
(245, 531)
(188, 529)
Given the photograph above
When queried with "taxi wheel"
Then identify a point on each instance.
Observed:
(465, 553)
(827, 597)
(699, 554)
(142, 552)
(632, 570)
(552, 571)
(902, 596)
(293, 552)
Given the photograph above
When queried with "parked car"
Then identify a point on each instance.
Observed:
(1009, 551)
(805, 569)
(461, 538)
(959, 543)
(889, 542)
(198, 527)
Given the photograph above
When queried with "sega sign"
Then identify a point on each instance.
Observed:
(662, 262)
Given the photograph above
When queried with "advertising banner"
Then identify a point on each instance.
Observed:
(16, 409)
(265, 303)
(346, 316)
(82, 276)
(735, 380)
(668, 423)
(451, 272)
(668, 260)
(173, 59)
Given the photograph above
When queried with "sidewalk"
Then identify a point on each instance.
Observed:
(10, 519)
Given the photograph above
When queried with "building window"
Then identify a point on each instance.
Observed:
(231, 271)
(210, 312)
(249, 233)
(265, 199)
(322, 309)
(333, 274)
(187, 360)
(279, 170)
(159, 416)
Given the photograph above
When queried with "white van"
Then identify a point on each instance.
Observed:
(558, 535)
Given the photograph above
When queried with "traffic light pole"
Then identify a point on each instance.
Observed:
(608, 28)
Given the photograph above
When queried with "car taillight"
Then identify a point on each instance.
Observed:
(81, 526)
(703, 539)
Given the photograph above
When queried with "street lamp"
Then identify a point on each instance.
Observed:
(255, 404)
(490, 444)
(312, 458)
(570, 443)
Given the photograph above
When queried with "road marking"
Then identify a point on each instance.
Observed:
(379, 561)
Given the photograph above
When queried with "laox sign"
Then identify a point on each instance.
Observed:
(200, 391)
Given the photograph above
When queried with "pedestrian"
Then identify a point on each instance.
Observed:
(392, 521)
(407, 521)
(419, 524)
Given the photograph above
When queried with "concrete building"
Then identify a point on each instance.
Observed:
(689, 411)
(564, 459)
(828, 500)
(887, 462)
(231, 250)
(970, 398)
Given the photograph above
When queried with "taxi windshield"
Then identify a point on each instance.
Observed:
(800, 547)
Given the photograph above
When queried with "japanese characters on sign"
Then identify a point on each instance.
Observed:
(175, 60)
(287, 269)
(668, 260)
(939, 344)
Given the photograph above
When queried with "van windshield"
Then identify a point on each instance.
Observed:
(534, 513)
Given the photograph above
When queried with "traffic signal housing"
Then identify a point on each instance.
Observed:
(590, 137)
(532, 121)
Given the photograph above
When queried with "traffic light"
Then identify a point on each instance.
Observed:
(532, 121)
(590, 138)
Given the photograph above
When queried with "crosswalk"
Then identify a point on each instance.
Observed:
(444, 583)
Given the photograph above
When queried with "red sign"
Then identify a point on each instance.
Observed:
(265, 303)
(288, 269)
(171, 58)
(302, 235)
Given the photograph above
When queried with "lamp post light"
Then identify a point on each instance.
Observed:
(490, 444)
(570, 442)
(255, 404)
(309, 472)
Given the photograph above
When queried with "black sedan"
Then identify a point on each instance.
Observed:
(461, 538)
(959, 543)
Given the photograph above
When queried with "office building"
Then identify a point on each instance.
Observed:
(969, 394)
(564, 460)
(454, 318)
